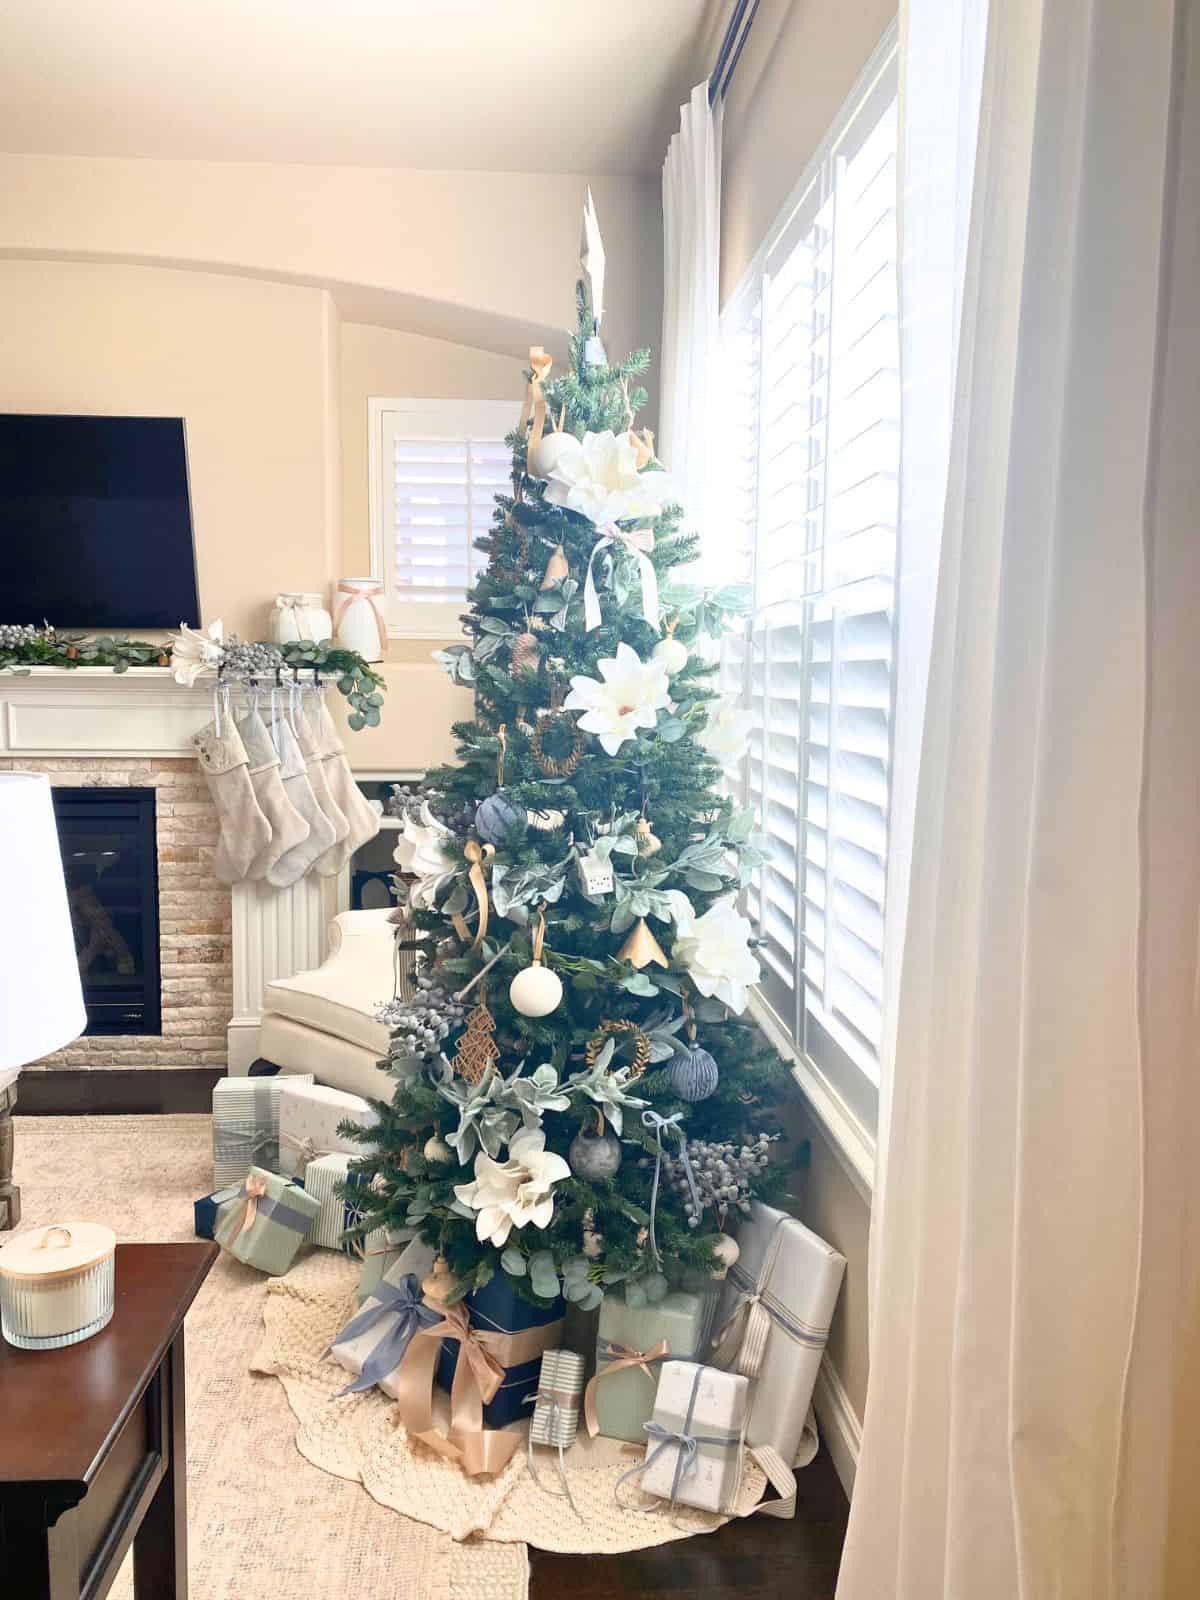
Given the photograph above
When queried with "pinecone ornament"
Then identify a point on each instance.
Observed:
(525, 656)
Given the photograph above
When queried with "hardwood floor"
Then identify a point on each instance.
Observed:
(757, 1558)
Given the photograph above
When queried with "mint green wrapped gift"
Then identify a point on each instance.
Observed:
(632, 1344)
(266, 1221)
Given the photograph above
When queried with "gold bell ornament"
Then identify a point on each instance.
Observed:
(440, 1281)
(641, 947)
(557, 568)
(536, 991)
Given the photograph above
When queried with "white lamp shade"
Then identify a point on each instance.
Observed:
(41, 997)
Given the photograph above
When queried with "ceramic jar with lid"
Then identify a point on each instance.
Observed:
(56, 1285)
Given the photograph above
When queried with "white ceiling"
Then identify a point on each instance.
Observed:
(587, 86)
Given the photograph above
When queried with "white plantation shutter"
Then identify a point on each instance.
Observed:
(436, 469)
(811, 380)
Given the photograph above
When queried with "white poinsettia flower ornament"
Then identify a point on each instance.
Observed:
(628, 695)
(194, 651)
(715, 949)
(514, 1193)
(601, 480)
(726, 734)
(421, 853)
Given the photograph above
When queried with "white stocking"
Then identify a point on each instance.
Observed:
(293, 773)
(316, 776)
(359, 812)
(244, 829)
(288, 827)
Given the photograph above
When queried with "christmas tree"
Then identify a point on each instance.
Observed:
(580, 1101)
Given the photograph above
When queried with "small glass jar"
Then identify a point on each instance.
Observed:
(56, 1285)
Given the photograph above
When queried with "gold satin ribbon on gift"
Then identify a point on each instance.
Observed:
(482, 1359)
(255, 1189)
(535, 399)
(624, 1358)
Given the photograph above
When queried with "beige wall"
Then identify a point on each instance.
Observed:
(487, 259)
(798, 66)
(250, 366)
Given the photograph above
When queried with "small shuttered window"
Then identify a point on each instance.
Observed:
(436, 468)
(810, 347)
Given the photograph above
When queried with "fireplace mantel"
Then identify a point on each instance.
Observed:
(90, 714)
(49, 711)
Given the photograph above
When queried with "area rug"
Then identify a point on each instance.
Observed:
(357, 1437)
(261, 1519)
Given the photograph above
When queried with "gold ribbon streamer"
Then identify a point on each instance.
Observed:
(478, 856)
(539, 936)
(482, 1359)
(255, 1188)
(535, 399)
(626, 1357)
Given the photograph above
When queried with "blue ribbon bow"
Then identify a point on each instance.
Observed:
(651, 1119)
(402, 1301)
(687, 1443)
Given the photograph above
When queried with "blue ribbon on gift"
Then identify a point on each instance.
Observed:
(402, 1301)
(684, 1440)
(651, 1119)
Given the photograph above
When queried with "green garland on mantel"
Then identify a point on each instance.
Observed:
(22, 648)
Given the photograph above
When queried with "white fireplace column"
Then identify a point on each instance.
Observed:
(276, 932)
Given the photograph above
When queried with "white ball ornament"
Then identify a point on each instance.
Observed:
(552, 452)
(726, 1251)
(672, 653)
(535, 991)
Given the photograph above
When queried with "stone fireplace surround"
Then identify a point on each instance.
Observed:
(219, 948)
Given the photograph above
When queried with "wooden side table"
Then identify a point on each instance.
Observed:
(92, 1442)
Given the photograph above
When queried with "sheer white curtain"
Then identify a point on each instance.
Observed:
(1031, 1420)
(691, 301)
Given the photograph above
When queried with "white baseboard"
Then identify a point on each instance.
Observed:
(840, 1428)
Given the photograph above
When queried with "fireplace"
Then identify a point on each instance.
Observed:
(107, 838)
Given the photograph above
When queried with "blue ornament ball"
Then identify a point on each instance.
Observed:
(693, 1074)
(497, 817)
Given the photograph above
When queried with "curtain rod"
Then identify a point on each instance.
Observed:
(732, 45)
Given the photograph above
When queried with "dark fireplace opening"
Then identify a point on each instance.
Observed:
(107, 838)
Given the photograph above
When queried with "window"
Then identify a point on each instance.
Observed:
(810, 347)
(436, 466)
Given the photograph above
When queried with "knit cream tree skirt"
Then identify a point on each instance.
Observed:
(355, 1437)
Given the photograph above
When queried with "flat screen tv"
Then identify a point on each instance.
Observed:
(96, 523)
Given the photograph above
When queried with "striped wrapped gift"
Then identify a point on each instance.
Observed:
(773, 1323)
(266, 1221)
(559, 1396)
(245, 1125)
(325, 1178)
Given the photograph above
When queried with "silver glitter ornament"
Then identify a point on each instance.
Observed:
(594, 1155)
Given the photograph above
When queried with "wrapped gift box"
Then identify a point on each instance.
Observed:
(245, 1126)
(497, 1309)
(773, 1323)
(309, 1115)
(324, 1178)
(621, 1395)
(392, 1250)
(708, 1408)
(559, 1396)
(205, 1209)
(266, 1221)
(373, 1342)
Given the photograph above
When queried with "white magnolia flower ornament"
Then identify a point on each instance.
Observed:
(715, 950)
(514, 1193)
(726, 734)
(420, 852)
(194, 652)
(629, 697)
(601, 481)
